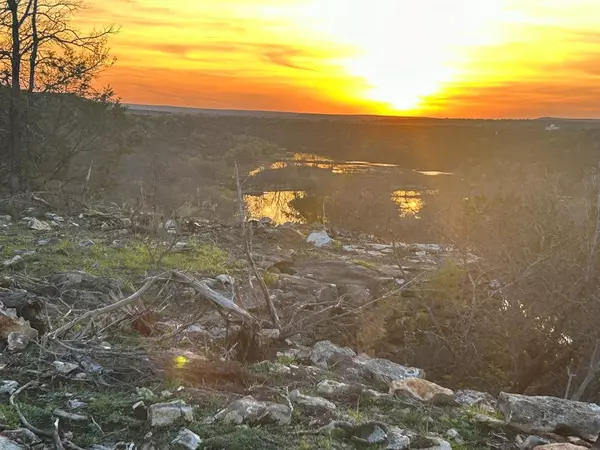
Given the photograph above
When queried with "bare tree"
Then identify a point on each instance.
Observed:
(42, 51)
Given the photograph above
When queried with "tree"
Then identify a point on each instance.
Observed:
(42, 52)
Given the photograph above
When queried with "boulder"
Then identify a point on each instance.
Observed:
(253, 412)
(16, 262)
(39, 225)
(469, 398)
(8, 444)
(331, 388)
(17, 341)
(166, 414)
(320, 239)
(385, 371)
(8, 387)
(550, 414)
(186, 439)
(422, 390)
(397, 440)
(10, 323)
(311, 402)
(323, 351)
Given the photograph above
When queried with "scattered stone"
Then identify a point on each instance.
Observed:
(531, 442)
(117, 244)
(431, 443)
(69, 416)
(15, 263)
(331, 388)
(319, 239)
(21, 436)
(226, 280)
(549, 414)
(17, 341)
(39, 225)
(467, 397)
(8, 387)
(453, 434)
(252, 412)
(166, 414)
(311, 402)
(385, 371)
(9, 444)
(269, 334)
(9, 323)
(422, 390)
(187, 439)
(65, 368)
(489, 421)
(322, 352)
(87, 243)
(76, 404)
(5, 219)
(166, 394)
(181, 247)
(397, 440)
(371, 433)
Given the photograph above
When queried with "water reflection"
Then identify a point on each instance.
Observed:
(300, 207)
(410, 202)
(274, 204)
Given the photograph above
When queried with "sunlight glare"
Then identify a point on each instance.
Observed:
(406, 50)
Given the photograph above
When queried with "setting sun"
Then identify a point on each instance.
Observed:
(467, 58)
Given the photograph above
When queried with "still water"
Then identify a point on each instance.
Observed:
(303, 207)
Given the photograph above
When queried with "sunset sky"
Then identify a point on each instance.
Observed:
(460, 58)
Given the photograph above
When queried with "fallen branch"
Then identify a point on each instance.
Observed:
(213, 296)
(43, 433)
(106, 309)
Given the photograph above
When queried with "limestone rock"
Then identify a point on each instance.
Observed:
(319, 239)
(331, 388)
(397, 440)
(8, 387)
(17, 341)
(253, 412)
(8, 444)
(385, 371)
(322, 352)
(187, 439)
(39, 225)
(422, 390)
(166, 414)
(549, 414)
(311, 402)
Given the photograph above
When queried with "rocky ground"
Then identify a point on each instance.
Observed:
(131, 332)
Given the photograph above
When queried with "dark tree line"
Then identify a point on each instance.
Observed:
(48, 99)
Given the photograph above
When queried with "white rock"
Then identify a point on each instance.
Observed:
(7, 444)
(544, 415)
(166, 414)
(226, 279)
(252, 412)
(311, 402)
(39, 225)
(8, 387)
(322, 351)
(17, 341)
(14, 263)
(187, 439)
(65, 368)
(397, 440)
(319, 239)
(385, 371)
(333, 388)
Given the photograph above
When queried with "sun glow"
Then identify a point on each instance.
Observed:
(406, 50)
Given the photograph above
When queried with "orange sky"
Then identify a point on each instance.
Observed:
(460, 58)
